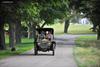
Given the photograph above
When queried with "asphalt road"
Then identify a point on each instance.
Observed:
(63, 56)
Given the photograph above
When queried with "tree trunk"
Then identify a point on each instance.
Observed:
(12, 39)
(29, 31)
(18, 32)
(43, 24)
(34, 31)
(98, 33)
(66, 26)
(2, 37)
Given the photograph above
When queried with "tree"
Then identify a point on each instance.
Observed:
(2, 36)
(9, 15)
(56, 10)
(90, 8)
(45, 11)
(51, 9)
(18, 31)
(66, 26)
(29, 12)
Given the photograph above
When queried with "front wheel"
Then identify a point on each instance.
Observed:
(53, 52)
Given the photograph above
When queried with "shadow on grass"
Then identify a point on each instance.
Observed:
(28, 43)
(24, 43)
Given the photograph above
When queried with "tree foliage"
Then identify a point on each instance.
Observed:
(90, 8)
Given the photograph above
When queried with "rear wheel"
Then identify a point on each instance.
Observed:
(35, 52)
(35, 48)
(53, 45)
(53, 48)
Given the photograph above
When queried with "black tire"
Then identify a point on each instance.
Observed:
(35, 51)
(53, 45)
(53, 52)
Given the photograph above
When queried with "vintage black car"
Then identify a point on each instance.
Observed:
(44, 40)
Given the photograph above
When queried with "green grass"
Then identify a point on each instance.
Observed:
(87, 51)
(27, 44)
(73, 28)
(80, 29)
(58, 28)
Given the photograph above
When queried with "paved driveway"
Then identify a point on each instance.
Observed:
(63, 56)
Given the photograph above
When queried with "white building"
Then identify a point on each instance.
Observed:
(84, 21)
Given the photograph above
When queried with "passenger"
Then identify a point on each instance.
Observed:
(49, 36)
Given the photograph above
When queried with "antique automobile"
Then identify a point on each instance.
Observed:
(44, 40)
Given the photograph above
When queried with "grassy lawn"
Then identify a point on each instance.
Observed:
(27, 44)
(73, 28)
(79, 29)
(58, 28)
(87, 51)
